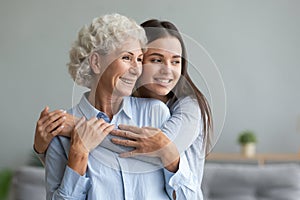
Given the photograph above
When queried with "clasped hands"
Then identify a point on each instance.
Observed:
(85, 134)
(88, 134)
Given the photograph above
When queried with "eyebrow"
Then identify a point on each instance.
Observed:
(161, 55)
(132, 53)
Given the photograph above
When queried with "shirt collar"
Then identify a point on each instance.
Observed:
(87, 108)
(126, 107)
(90, 111)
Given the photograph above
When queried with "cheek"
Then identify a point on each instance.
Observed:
(142, 79)
(177, 72)
(118, 71)
(147, 73)
(140, 70)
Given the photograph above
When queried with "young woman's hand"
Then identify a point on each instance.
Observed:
(68, 125)
(48, 126)
(148, 141)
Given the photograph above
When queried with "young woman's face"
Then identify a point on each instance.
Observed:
(161, 66)
(124, 66)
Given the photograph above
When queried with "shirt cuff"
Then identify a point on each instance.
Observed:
(41, 156)
(168, 176)
(73, 184)
(182, 178)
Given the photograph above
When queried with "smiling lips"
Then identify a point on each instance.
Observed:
(128, 81)
(163, 81)
(160, 81)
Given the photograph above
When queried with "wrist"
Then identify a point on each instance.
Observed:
(36, 150)
(77, 145)
(78, 155)
(78, 149)
(78, 160)
(173, 166)
(170, 157)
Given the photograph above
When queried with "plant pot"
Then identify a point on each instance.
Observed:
(248, 150)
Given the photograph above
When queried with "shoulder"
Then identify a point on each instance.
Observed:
(152, 112)
(185, 103)
(59, 143)
(143, 103)
(74, 110)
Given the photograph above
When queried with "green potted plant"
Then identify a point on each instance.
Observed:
(5, 181)
(247, 139)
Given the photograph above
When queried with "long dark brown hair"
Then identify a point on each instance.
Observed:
(156, 29)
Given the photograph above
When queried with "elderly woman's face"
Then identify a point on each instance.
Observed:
(123, 67)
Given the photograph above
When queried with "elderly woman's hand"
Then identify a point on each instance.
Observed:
(148, 141)
(48, 126)
(89, 134)
(84, 138)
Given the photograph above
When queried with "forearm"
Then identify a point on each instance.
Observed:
(78, 154)
(170, 157)
(78, 160)
(62, 181)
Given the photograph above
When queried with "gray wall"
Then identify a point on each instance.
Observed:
(255, 45)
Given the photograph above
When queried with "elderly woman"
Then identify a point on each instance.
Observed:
(190, 123)
(106, 58)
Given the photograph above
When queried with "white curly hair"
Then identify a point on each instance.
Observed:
(104, 35)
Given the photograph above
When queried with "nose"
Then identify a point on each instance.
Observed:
(134, 63)
(136, 68)
(166, 68)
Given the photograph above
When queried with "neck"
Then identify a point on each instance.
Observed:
(105, 102)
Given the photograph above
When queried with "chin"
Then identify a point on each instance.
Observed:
(161, 92)
(123, 93)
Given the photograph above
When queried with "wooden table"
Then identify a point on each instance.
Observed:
(260, 158)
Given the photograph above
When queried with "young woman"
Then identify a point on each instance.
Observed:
(165, 78)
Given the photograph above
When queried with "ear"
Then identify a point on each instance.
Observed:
(94, 61)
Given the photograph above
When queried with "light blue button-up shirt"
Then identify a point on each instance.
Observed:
(184, 128)
(108, 176)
